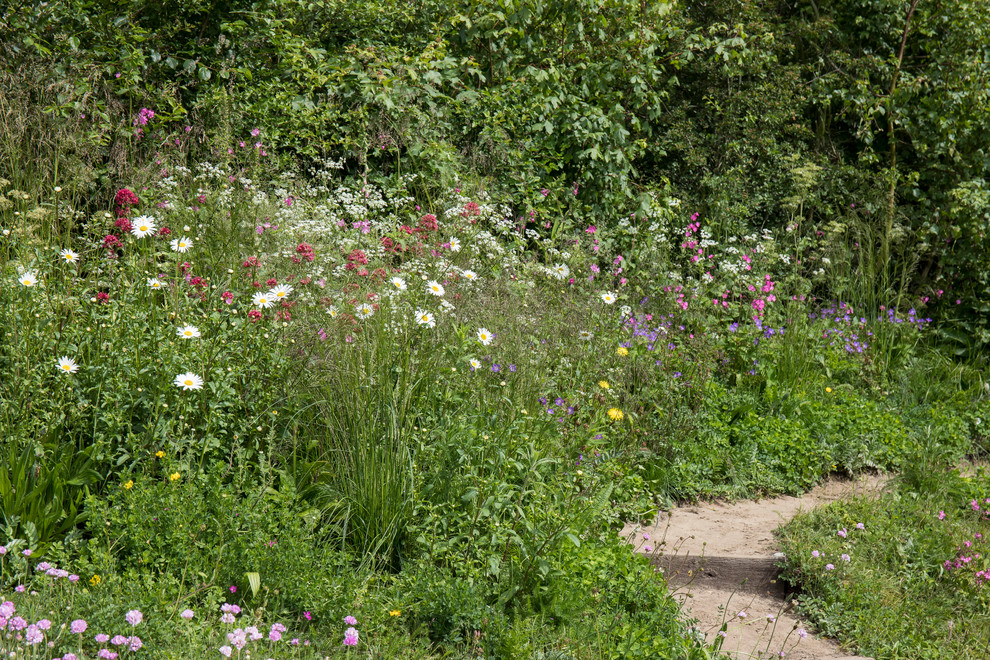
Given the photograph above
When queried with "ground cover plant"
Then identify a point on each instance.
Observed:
(377, 362)
(903, 574)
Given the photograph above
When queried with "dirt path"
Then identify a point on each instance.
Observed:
(719, 559)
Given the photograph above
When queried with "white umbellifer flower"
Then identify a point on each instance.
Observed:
(69, 255)
(262, 300)
(364, 310)
(67, 365)
(484, 336)
(188, 332)
(560, 271)
(333, 312)
(475, 364)
(155, 283)
(608, 298)
(280, 292)
(28, 279)
(181, 244)
(143, 226)
(425, 318)
(625, 310)
(586, 335)
(455, 245)
(470, 275)
(188, 381)
(435, 288)
(399, 283)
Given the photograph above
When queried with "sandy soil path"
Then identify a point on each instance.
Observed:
(719, 559)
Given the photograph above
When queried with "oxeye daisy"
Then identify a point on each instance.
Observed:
(263, 300)
(455, 245)
(280, 292)
(608, 298)
(435, 288)
(425, 318)
(470, 275)
(67, 365)
(155, 283)
(475, 364)
(586, 335)
(333, 312)
(560, 271)
(484, 336)
(399, 283)
(143, 226)
(188, 332)
(69, 256)
(188, 381)
(365, 310)
(28, 279)
(181, 244)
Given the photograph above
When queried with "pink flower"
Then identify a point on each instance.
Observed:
(101, 638)
(78, 626)
(349, 620)
(351, 637)
(134, 617)
(118, 640)
(309, 617)
(187, 614)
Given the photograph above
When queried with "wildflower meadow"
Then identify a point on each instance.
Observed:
(379, 367)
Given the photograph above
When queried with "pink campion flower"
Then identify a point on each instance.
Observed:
(351, 637)
(591, 229)
(309, 617)
(227, 297)
(255, 132)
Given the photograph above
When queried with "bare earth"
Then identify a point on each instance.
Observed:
(719, 559)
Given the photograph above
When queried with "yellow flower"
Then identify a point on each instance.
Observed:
(175, 476)
(623, 351)
(828, 389)
(615, 414)
(603, 384)
(160, 454)
(394, 613)
(95, 580)
(128, 484)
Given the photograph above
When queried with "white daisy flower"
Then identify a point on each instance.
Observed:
(262, 300)
(69, 255)
(484, 336)
(560, 271)
(470, 275)
(425, 318)
(181, 244)
(399, 283)
(475, 364)
(67, 365)
(28, 279)
(608, 298)
(435, 288)
(364, 310)
(188, 381)
(455, 245)
(155, 283)
(625, 310)
(586, 335)
(280, 292)
(333, 312)
(188, 332)
(143, 226)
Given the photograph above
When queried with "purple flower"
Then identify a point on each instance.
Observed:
(78, 626)
(17, 623)
(351, 637)
(20, 588)
(187, 614)
(842, 532)
(26, 553)
(860, 526)
(135, 643)
(101, 638)
(118, 640)
(33, 635)
(233, 589)
(134, 617)
(512, 368)
(44, 624)
(69, 656)
(829, 567)
(845, 557)
(73, 578)
(274, 635)
(225, 651)
(349, 620)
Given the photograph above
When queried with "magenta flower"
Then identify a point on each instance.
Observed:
(349, 620)
(351, 637)
(69, 656)
(309, 617)
(233, 589)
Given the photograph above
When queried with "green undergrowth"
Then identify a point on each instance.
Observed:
(901, 574)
